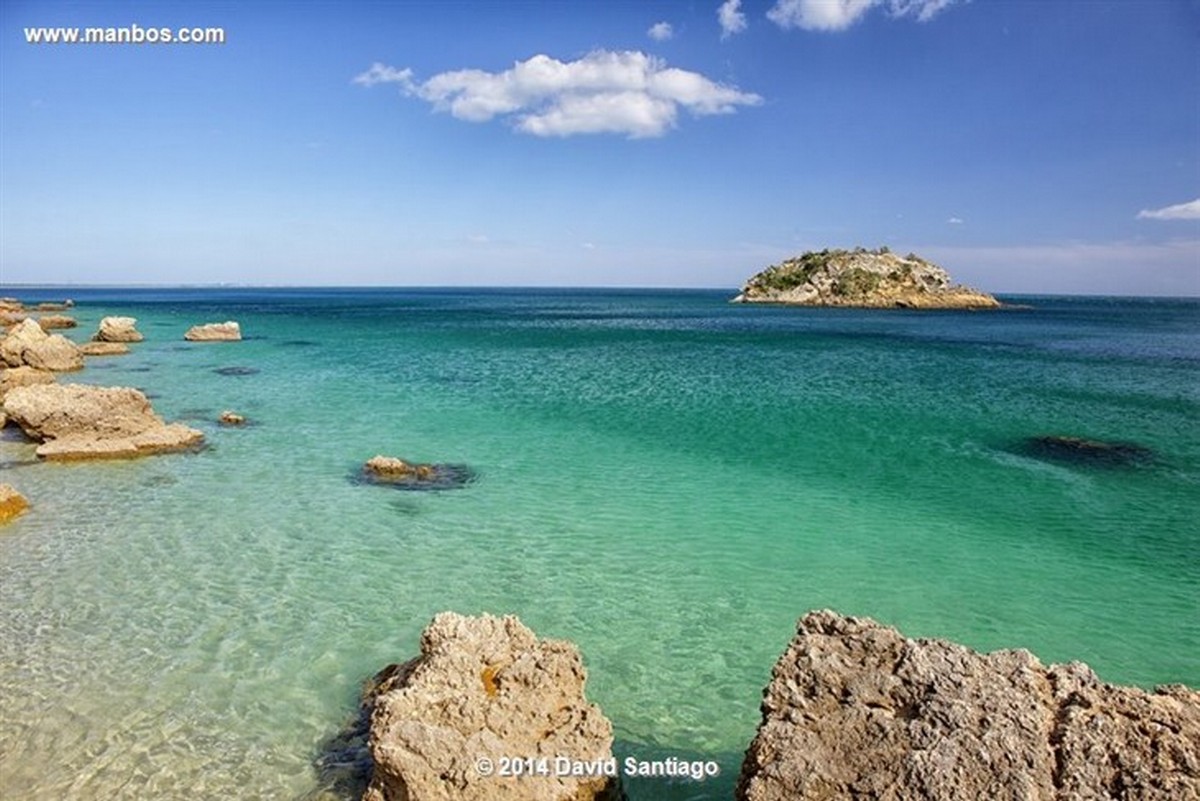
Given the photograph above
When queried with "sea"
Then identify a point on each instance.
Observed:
(665, 479)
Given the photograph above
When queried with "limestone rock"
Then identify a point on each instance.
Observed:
(485, 687)
(12, 503)
(12, 377)
(228, 331)
(231, 418)
(75, 421)
(856, 710)
(50, 321)
(413, 476)
(118, 329)
(103, 348)
(27, 344)
(875, 279)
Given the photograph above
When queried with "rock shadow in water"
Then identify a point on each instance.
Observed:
(1086, 452)
(237, 370)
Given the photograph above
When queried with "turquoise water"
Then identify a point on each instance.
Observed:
(665, 479)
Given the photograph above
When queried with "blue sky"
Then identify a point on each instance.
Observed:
(1025, 146)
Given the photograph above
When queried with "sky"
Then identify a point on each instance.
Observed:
(1027, 147)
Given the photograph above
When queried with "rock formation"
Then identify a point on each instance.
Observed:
(228, 331)
(856, 710)
(13, 377)
(27, 344)
(877, 279)
(485, 688)
(231, 418)
(408, 475)
(103, 348)
(12, 503)
(118, 329)
(75, 421)
(51, 321)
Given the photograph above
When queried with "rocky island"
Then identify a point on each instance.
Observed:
(862, 278)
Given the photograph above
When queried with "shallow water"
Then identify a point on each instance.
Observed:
(667, 480)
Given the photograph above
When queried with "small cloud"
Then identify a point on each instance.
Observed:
(661, 31)
(588, 245)
(955, 221)
(1180, 211)
(731, 18)
(838, 15)
(604, 92)
(478, 239)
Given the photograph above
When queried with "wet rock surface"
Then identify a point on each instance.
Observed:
(405, 475)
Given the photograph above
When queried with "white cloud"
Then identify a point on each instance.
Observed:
(955, 221)
(1180, 211)
(661, 31)
(731, 18)
(838, 15)
(604, 92)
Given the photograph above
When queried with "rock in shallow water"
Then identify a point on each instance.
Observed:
(228, 331)
(12, 503)
(1078, 450)
(413, 476)
(118, 329)
(27, 344)
(856, 710)
(485, 688)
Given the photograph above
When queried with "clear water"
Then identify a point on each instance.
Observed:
(665, 479)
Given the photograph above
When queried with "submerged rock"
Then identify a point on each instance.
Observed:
(12, 503)
(856, 710)
(228, 331)
(118, 329)
(104, 348)
(865, 278)
(27, 344)
(231, 418)
(237, 370)
(75, 421)
(1088, 451)
(409, 475)
(485, 688)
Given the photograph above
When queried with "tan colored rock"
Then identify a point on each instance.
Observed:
(485, 688)
(861, 278)
(11, 377)
(389, 467)
(117, 329)
(228, 331)
(76, 421)
(856, 710)
(12, 503)
(11, 318)
(52, 321)
(27, 344)
(231, 418)
(104, 348)
(53, 306)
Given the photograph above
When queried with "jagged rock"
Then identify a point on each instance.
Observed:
(118, 329)
(76, 421)
(228, 331)
(408, 475)
(230, 418)
(103, 348)
(12, 503)
(877, 279)
(485, 688)
(9, 318)
(27, 344)
(12, 377)
(53, 306)
(856, 710)
(51, 321)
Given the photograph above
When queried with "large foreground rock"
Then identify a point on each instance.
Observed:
(118, 329)
(856, 710)
(485, 688)
(75, 421)
(860, 277)
(228, 331)
(27, 344)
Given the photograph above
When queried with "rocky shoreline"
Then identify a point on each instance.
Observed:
(861, 278)
(853, 710)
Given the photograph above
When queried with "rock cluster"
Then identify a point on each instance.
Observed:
(856, 710)
(118, 329)
(865, 278)
(228, 331)
(75, 421)
(28, 344)
(485, 688)
(401, 474)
